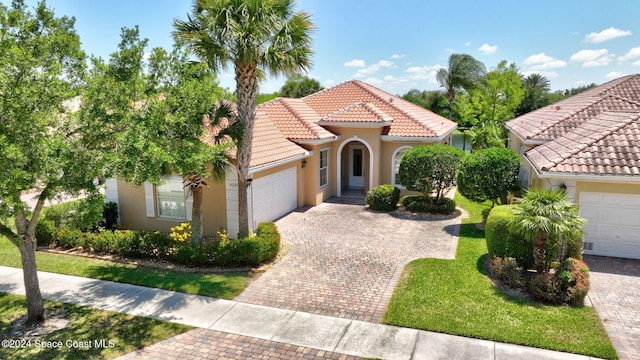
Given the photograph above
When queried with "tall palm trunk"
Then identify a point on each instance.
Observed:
(246, 92)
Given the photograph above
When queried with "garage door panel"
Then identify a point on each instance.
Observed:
(274, 195)
(613, 224)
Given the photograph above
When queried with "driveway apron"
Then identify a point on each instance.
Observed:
(615, 286)
(345, 260)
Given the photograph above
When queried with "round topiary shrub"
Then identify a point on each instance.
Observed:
(573, 277)
(383, 197)
(420, 203)
(502, 242)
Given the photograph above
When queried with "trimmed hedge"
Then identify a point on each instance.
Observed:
(501, 242)
(420, 203)
(383, 197)
(250, 251)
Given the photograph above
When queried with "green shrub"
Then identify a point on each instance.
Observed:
(383, 197)
(109, 216)
(46, 231)
(83, 214)
(545, 288)
(507, 271)
(573, 277)
(419, 203)
(502, 242)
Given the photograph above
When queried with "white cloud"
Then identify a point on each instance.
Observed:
(374, 68)
(374, 81)
(636, 63)
(328, 83)
(397, 56)
(450, 50)
(355, 63)
(614, 75)
(542, 62)
(547, 74)
(606, 34)
(467, 44)
(592, 58)
(632, 54)
(424, 73)
(488, 49)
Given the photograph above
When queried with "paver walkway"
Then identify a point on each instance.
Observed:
(345, 260)
(615, 287)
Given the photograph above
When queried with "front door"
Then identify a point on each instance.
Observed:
(356, 167)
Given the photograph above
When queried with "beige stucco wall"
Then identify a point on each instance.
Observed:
(132, 206)
(605, 187)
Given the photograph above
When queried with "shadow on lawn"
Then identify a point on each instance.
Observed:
(217, 285)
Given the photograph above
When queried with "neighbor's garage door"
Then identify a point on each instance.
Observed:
(274, 195)
(613, 224)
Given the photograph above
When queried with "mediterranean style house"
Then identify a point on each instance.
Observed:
(589, 144)
(348, 137)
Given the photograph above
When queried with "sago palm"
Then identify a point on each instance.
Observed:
(544, 216)
(255, 37)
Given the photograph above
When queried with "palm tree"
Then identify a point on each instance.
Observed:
(256, 37)
(464, 72)
(545, 216)
(536, 81)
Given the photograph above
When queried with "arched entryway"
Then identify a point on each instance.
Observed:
(354, 165)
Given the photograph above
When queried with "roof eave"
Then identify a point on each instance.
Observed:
(316, 141)
(354, 124)
(542, 174)
(269, 165)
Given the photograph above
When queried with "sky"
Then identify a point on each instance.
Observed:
(399, 45)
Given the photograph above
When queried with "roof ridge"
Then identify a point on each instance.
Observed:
(297, 115)
(409, 116)
(609, 85)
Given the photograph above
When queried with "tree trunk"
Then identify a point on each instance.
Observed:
(246, 92)
(27, 246)
(35, 305)
(539, 253)
(196, 217)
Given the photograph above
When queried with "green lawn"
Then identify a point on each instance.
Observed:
(220, 285)
(456, 297)
(121, 333)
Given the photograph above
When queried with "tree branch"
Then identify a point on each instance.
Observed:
(13, 237)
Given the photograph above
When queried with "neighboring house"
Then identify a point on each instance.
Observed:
(351, 136)
(589, 144)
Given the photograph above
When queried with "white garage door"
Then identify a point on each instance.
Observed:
(274, 195)
(613, 224)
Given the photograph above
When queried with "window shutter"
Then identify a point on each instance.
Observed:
(149, 199)
(189, 205)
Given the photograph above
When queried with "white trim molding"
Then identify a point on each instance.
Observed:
(339, 162)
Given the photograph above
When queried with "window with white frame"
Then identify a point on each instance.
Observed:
(170, 199)
(397, 158)
(324, 167)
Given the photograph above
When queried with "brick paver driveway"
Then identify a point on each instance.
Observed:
(345, 260)
(615, 286)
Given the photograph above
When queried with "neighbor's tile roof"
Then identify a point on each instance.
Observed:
(554, 120)
(607, 144)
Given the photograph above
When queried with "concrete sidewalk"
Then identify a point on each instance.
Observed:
(338, 335)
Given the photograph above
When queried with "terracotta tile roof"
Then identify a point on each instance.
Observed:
(269, 145)
(359, 113)
(295, 119)
(554, 120)
(408, 119)
(607, 144)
